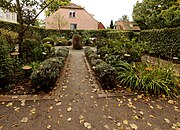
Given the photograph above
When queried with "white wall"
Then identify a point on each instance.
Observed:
(8, 16)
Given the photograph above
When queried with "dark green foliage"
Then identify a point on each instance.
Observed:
(111, 25)
(61, 52)
(48, 40)
(77, 41)
(6, 63)
(42, 33)
(45, 76)
(120, 34)
(164, 43)
(32, 50)
(150, 79)
(123, 49)
(104, 72)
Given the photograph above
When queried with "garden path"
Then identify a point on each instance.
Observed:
(79, 108)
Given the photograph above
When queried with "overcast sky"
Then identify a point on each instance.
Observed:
(106, 10)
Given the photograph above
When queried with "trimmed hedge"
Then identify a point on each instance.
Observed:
(164, 43)
(104, 72)
(120, 34)
(45, 77)
(42, 33)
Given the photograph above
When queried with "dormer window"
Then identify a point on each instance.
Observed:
(72, 14)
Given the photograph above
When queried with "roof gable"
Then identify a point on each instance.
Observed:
(71, 6)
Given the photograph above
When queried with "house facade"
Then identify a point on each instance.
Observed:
(8, 16)
(71, 17)
(126, 26)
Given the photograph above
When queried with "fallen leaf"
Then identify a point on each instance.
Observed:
(9, 104)
(141, 112)
(159, 107)
(22, 102)
(48, 127)
(87, 125)
(149, 124)
(151, 116)
(33, 111)
(109, 117)
(151, 107)
(125, 122)
(14, 97)
(58, 104)
(24, 120)
(167, 120)
(133, 126)
(118, 124)
(69, 109)
(69, 119)
(171, 102)
(64, 87)
(106, 126)
(16, 109)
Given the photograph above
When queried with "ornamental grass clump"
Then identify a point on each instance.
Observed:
(150, 79)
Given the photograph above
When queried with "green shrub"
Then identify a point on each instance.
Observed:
(61, 52)
(10, 36)
(104, 72)
(62, 42)
(6, 63)
(46, 75)
(77, 41)
(150, 79)
(32, 50)
(164, 43)
(122, 49)
(120, 34)
(48, 40)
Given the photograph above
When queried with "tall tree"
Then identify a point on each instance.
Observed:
(58, 21)
(151, 14)
(124, 18)
(112, 24)
(55, 6)
(27, 12)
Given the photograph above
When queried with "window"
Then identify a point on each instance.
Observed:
(73, 26)
(13, 16)
(72, 14)
(7, 14)
(1, 13)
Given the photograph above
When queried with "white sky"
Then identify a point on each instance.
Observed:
(106, 10)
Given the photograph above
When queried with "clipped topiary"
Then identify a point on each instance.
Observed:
(77, 41)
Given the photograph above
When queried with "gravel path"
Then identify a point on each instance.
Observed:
(79, 108)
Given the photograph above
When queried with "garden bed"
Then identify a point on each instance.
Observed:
(26, 85)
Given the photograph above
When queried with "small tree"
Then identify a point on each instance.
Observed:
(59, 21)
(124, 18)
(111, 25)
(27, 13)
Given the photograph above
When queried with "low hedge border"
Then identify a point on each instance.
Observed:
(104, 72)
(44, 78)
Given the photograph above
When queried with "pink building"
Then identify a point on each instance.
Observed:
(71, 16)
